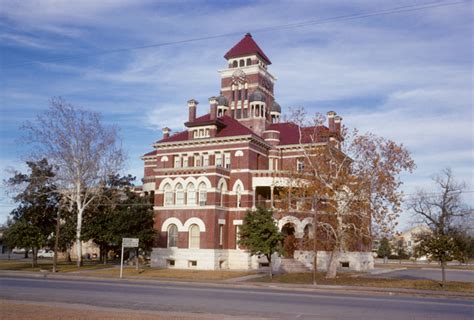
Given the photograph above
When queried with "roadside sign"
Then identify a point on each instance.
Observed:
(130, 242)
(127, 243)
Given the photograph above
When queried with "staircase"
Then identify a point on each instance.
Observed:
(289, 265)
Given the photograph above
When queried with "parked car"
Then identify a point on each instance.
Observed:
(18, 250)
(44, 253)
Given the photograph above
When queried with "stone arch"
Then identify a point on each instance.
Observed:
(206, 181)
(237, 183)
(170, 221)
(164, 159)
(299, 228)
(194, 220)
(164, 182)
(221, 183)
(239, 153)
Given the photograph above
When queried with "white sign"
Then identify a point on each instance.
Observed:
(130, 242)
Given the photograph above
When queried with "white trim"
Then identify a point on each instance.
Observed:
(170, 221)
(221, 221)
(238, 222)
(194, 220)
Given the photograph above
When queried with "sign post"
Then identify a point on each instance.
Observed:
(127, 243)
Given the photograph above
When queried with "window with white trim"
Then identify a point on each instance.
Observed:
(205, 160)
(194, 237)
(221, 234)
(238, 192)
(177, 161)
(197, 160)
(168, 195)
(237, 236)
(299, 165)
(218, 159)
(202, 194)
(227, 160)
(179, 194)
(185, 161)
(172, 236)
(191, 195)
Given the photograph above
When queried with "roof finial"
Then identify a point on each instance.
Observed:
(248, 35)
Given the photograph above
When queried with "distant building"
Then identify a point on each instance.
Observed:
(407, 238)
(227, 161)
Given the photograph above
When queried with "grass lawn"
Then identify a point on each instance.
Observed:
(47, 264)
(393, 265)
(191, 275)
(348, 279)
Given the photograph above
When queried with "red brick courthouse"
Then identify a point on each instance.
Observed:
(227, 161)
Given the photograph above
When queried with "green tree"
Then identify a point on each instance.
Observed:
(35, 217)
(465, 246)
(260, 235)
(121, 213)
(384, 249)
(400, 250)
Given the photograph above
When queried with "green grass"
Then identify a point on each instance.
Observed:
(348, 279)
(63, 266)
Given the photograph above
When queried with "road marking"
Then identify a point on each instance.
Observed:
(250, 291)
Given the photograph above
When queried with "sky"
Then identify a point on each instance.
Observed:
(407, 76)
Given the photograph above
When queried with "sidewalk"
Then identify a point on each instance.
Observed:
(240, 283)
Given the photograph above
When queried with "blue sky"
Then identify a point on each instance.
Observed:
(406, 76)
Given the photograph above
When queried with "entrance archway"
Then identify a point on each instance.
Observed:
(289, 242)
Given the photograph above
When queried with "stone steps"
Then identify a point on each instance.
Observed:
(292, 266)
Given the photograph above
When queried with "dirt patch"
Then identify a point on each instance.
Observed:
(14, 310)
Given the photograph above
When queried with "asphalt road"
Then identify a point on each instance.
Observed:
(243, 302)
(431, 274)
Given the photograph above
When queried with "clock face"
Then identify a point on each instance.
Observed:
(238, 76)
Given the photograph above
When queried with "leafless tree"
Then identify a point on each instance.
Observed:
(83, 149)
(445, 214)
(358, 179)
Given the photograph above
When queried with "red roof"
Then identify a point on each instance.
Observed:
(230, 127)
(290, 133)
(151, 153)
(245, 47)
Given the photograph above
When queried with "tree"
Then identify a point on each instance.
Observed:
(384, 250)
(121, 213)
(260, 235)
(464, 245)
(400, 249)
(356, 175)
(35, 216)
(443, 212)
(84, 151)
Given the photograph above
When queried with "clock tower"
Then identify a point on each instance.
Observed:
(247, 87)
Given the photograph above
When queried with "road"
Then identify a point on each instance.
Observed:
(244, 302)
(429, 273)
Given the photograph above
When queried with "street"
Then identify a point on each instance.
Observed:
(231, 300)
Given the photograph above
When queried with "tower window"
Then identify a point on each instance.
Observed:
(249, 61)
(241, 63)
(234, 64)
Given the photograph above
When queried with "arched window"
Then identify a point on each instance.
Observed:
(202, 194)
(168, 195)
(172, 236)
(249, 61)
(238, 192)
(242, 62)
(191, 195)
(234, 64)
(194, 235)
(222, 190)
(179, 194)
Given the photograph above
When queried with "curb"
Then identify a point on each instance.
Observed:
(255, 285)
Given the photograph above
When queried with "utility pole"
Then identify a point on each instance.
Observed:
(315, 250)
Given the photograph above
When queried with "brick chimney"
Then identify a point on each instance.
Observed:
(337, 124)
(213, 107)
(192, 105)
(331, 115)
(166, 132)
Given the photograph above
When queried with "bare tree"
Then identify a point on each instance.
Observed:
(357, 177)
(444, 213)
(81, 147)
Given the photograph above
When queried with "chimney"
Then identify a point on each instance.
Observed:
(192, 105)
(166, 132)
(331, 115)
(337, 124)
(213, 111)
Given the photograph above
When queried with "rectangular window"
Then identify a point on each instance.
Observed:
(221, 234)
(205, 160)
(180, 197)
(240, 94)
(299, 165)
(227, 160)
(197, 160)
(168, 198)
(239, 113)
(191, 198)
(185, 161)
(202, 197)
(177, 161)
(218, 160)
(170, 263)
(192, 263)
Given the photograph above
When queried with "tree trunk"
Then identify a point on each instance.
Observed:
(78, 236)
(332, 266)
(56, 244)
(269, 258)
(68, 254)
(34, 260)
(443, 272)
